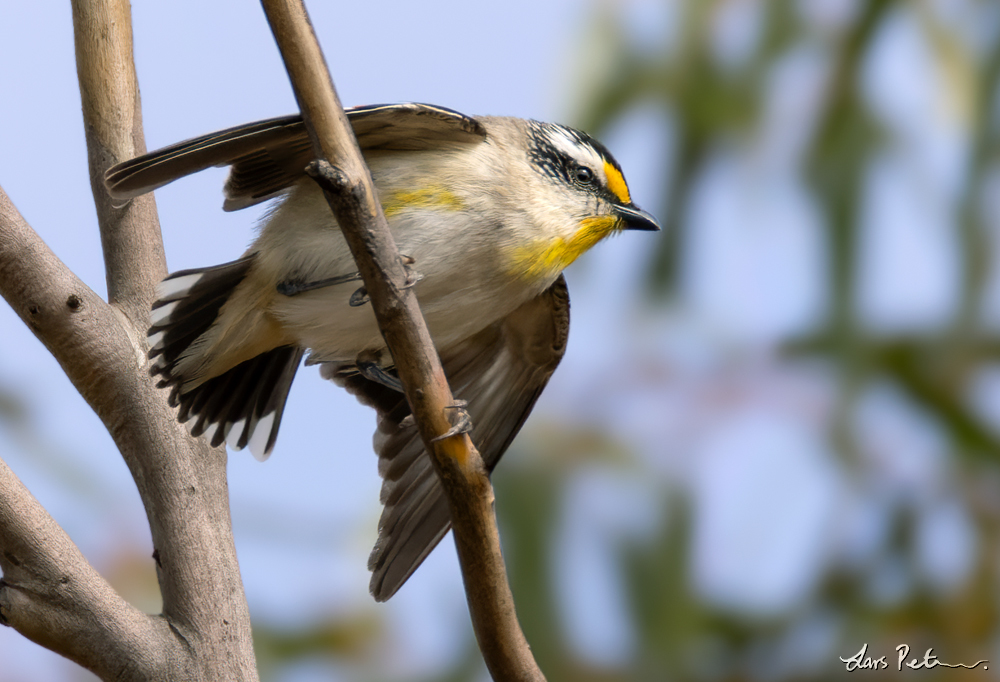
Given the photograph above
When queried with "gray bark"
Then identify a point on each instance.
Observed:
(49, 592)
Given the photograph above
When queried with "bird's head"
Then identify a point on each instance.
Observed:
(577, 196)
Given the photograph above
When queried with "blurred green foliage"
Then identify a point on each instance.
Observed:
(708, 103)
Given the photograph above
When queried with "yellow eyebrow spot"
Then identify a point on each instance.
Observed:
(432, 196)
(546, 257)
(616, 183)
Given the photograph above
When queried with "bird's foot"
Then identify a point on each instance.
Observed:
(373, 372)
(359, 298)
(460, 420)
(412, 276)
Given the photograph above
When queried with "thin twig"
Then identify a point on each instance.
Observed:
(351, 194)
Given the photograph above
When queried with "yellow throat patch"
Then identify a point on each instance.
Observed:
(547, 257)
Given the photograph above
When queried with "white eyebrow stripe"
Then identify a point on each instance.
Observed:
(564, 141)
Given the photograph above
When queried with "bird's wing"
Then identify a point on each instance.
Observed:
(412, 127)
(500, 371)
(269, 156)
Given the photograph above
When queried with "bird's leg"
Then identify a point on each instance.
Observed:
(374, 372)
(360, 297)
(460, 420)
(293, 287)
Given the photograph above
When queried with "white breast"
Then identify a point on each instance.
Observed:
(464, 285)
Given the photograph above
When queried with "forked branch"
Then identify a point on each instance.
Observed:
(49, 592)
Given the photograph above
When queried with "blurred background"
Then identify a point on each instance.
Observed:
(775, 436)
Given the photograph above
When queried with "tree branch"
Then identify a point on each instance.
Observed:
(352, 197)
(112, 114)
(205, 629)
(182, 482)
(51, 595)
(49, 592)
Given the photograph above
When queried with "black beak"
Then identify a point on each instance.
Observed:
(637, 219)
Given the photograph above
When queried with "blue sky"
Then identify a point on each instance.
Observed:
(205, 66)
(704, 404)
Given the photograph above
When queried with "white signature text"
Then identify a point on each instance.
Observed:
(862, 661)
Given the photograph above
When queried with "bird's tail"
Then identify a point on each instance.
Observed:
(243, 405)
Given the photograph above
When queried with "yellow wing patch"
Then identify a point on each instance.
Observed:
(544, 258)
(616, 183)
(432, 196)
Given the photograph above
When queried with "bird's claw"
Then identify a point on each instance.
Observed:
(412, 276)
(359, 298)
(460, 420)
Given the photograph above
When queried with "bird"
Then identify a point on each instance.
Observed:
(488, 211)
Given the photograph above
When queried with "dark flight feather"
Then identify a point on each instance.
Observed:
(269, 156)
(500, 371)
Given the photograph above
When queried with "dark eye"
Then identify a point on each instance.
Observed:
(583, 175)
